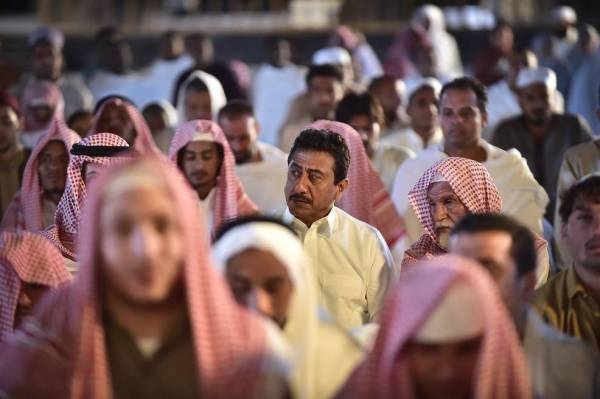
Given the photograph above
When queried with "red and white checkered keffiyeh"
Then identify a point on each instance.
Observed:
(41, 91)
(472, 184)
(501, 371)
(25, 210)
(366, 197)
(68, 210)
(29, 258)
(231, 200)
(144, 142)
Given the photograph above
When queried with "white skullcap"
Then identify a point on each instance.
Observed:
(202, 136)
(564, 14)
(543, 75)
(332, 55)
(457, 317)
(438, 178)
(413, 85)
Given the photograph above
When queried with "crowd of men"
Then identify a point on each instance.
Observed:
(357, 228)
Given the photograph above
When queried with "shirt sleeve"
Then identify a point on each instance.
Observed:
(381, 274)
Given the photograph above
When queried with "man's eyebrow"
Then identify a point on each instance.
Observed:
(309, 170)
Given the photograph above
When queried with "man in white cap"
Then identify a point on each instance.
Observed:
(424, 131)
(539, 133)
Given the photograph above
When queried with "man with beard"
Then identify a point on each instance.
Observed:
(570, 301)
(541, 135)
(260, 166)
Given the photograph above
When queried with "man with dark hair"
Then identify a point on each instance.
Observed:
(463, 117)
(506, 249)
(365, 115)
(351, 259)
(570, 301)
(261, 167)
(391, 94)
(324, 90)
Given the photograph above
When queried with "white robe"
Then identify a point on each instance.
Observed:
(408, 138)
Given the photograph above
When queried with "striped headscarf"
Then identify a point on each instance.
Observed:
(472, 184)
(144, 142)
(501, 372)
(41, 92)
(366, 197)
(25, 258)
(25, 210)
(231, 200)
(68, 210)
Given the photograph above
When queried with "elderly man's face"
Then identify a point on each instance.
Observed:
(446, 210)
(259, 281)
(535, 104)
(52, 167)
(461, 119)
(141, 245)
(310, 190)
(582, 233)
(422, 109)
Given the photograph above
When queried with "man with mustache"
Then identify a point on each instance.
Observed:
(539, 133)
(570, 301)
(352, 263)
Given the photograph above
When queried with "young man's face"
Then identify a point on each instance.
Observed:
(582, 233)
(423, 109)
(47, 61)
(241, 134)
(462, 121)
(140, 245)
(310, 190)
(52, 167)
(259, 281)
(324, 93)
(369, 131)
(197, 105)
(446, 210)
(535, 104)
(201, 164)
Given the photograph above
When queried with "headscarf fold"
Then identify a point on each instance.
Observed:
(366, 197)
(231, 201)
(215, 91)
(25, 210)
(501, 372)
(27, 258)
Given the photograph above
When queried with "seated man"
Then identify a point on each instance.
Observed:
(449, 190)
(570, 301)
(444, 334)
(268, 272)
(44, 180)
(200, 150)
(139, 323)
(352, 263)
(88, 157)
(29, 266)
(506, 249)
(117, 115)
(261, 167)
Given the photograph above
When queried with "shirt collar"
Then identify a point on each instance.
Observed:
(574, 286)
(325, 226)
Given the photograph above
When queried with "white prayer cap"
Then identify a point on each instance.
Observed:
(564, 14)
(332, 55)
(202, 136)
(543, 75)
(438, 178)
(457, 317)
(412, 85)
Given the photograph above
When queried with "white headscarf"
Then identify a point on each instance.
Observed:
(215, 91)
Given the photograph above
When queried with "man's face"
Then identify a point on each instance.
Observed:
(443, 371)
(535, 104)
(423, 109)
(140, 245)
(492, 250)
(30, 295)
(310, 190)
(201, 163)
(9, 128)
(446, 210)
(461, 119)
(197, 105)
(47, 61)
(389, 95)
(52, 167)
(115, 119)
(82, 125)
(241, 134)
(369, 132)
(42, 113)
(259, 281)
(582, 233)
(324, 93)
(157, 121)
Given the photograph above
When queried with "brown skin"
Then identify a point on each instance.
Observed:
(260, 282)
(201, 165)
(369, 131)
(10, 123)
(324, 92)
(82, 125)
(197, 105)
(52, 169)
(46, 61)
(537, 110)
(389, 93)
(242, 134)
(115, 119)
(446, 210)
(423, 111)
(462, 123)
(30, 295)
(310, 190)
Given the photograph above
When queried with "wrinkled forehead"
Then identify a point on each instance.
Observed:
(440, 188)
(313, 160)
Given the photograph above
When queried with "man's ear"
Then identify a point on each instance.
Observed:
(341, 187)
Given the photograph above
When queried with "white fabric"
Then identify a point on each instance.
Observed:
(352, 262)
(539, 75)
(161, 76)
(564, 14)
(29, 139)
(312, 338)
(264, 181)
(387, 159)
(273, 90)
(208, 209)
(408, 138)
(583, 92)
(332, 55)
(104, 83)
(416, 84)
(370, 66)
(215, 91)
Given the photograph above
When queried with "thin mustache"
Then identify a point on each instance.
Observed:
(299, 197)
